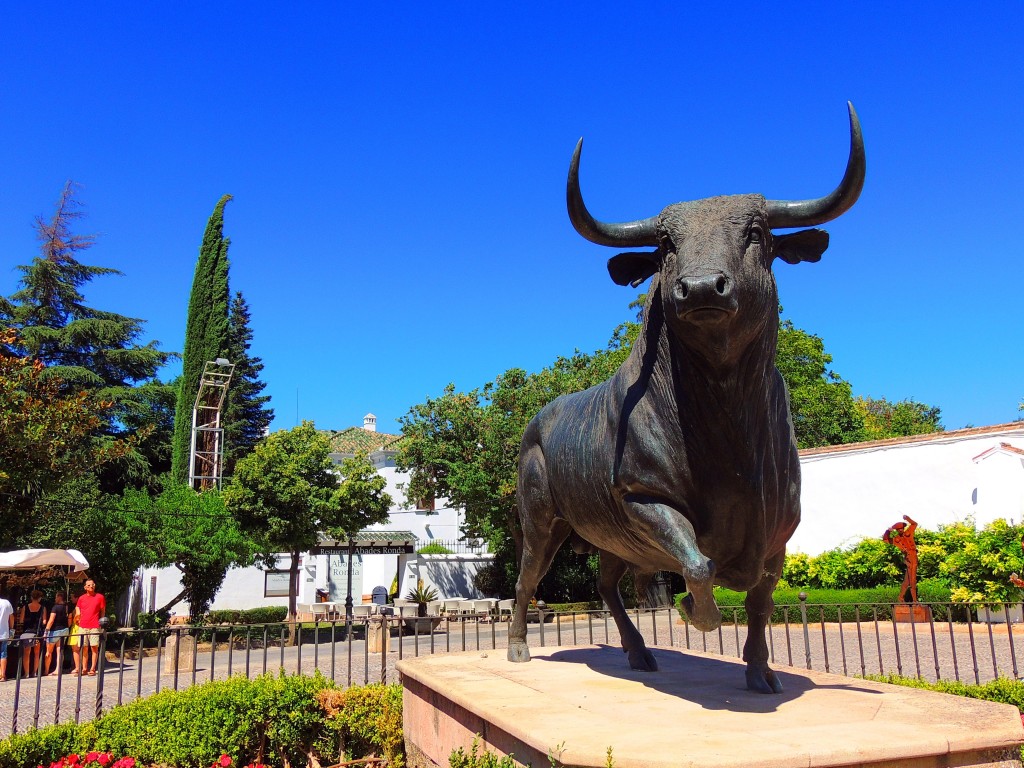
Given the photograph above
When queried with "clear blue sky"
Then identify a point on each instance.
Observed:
(399, 172)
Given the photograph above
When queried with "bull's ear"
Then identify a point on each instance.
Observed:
(633, 268)
(806, 245)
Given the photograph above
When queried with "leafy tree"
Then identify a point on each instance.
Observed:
(87, 349)
(821, 402)
(115, 539)
(247, 414)
(193, 532)
(287, 491)
(884, 419)
(206, 332)
(47, 436)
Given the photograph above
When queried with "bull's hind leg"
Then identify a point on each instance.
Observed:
(759, 605)
(543, 533)
(612, 569)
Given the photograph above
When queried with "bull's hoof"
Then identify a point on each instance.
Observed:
(518, 652)
(642, 659)
(762, 679)
(706, 618)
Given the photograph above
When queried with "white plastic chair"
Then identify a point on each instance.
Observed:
(363, 611)
(506, 606)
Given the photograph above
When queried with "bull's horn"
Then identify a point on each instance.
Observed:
(631, 234)
(807, 213)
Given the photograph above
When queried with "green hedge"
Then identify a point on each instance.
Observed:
(581, 607)
(829, 604)
(283, 720)
(271, 614)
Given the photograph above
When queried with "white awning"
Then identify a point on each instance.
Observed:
(24, 559)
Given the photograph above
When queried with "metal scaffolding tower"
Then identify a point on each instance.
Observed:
(206, 460)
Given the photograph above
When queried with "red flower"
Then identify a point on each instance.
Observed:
(72, 759)
(124, 762)
(224, 761)
(104, 758)
(92, 756)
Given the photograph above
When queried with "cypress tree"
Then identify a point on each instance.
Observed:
(247, 415)
(206, 331)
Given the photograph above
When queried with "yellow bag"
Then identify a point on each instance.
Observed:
(73, 635)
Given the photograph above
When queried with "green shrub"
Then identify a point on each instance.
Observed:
(580, 607)
(1002, 689)
(270, 614)
(829, 604)
(224, 617)
(433, 549)
(38, 747)
(369, 720)
(280, 720)
(478, 759)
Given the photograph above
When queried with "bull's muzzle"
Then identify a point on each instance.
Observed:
(711, 297)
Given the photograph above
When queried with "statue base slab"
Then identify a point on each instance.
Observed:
(576, 703)
(905, 613)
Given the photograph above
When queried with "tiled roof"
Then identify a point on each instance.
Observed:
(1001, 448)
(358, 439)
(368, 536)
(953, 434)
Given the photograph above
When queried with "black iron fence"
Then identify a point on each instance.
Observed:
(939, 641)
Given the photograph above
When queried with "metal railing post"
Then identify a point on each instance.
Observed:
(807, 635)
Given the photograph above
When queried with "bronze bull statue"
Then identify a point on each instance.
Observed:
(685, 460)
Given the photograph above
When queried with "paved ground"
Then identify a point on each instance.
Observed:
(968, 652)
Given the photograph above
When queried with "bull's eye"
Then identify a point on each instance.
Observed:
(755, 236)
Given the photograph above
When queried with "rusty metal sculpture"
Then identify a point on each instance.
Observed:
(901, 536)
(685, 459)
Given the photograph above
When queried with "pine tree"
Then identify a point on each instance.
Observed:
(206, 331)
(247, 415)
(87, 349)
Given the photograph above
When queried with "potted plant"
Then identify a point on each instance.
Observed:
(421, 595)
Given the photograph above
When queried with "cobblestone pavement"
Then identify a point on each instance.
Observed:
(934, 650)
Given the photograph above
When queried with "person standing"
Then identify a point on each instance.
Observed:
(33, 620)
(6, 630)
(56, 630)
(91, 607)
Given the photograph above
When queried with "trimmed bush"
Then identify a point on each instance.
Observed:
(829, 604)
(369, 719)
(278, 720)
(581, 607)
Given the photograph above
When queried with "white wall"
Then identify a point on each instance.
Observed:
(854, 493)
(243, 588)
(450, 575)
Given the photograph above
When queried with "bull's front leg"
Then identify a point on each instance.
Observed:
(674, 533)
(759, 605)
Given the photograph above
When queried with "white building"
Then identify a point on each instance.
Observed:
(850, 492)
(432, 521)
(856, 491)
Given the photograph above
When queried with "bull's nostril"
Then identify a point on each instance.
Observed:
(720, 285)
(685, 288)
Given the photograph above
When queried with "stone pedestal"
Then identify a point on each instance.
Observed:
(905, 613)
(575, 703)
(181, 646)
(377, 635)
